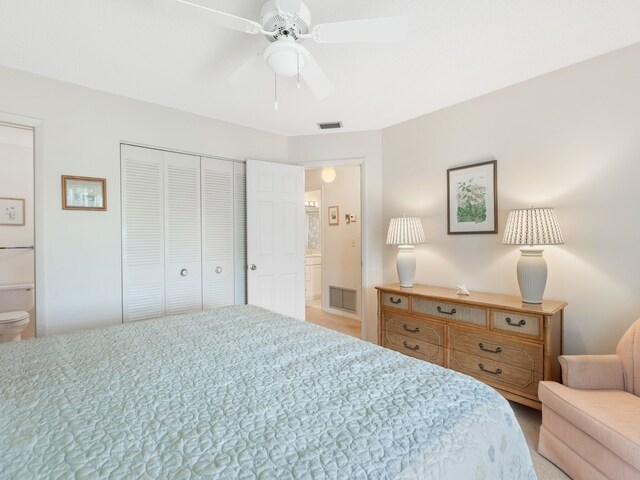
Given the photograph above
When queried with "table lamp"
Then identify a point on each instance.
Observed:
(532, 226)
(405, 232)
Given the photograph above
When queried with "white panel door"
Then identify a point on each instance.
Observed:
(217, 233)
(143, 294)
(240, 224)
(275, 237)
(183, 259)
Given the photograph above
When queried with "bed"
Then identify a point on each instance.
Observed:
(241, 392)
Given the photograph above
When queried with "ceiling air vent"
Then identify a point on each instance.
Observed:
(329, 125)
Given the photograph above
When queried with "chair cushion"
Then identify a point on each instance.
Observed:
(611, 417)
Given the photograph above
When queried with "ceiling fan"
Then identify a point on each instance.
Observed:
(285, 23)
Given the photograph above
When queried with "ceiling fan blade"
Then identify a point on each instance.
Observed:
(201, 13)
(290, 7)
(374, 30)
(246, 70)
(316, 79)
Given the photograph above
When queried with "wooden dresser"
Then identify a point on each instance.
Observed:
(495, 338)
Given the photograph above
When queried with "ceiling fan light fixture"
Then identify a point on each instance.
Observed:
(285, 57)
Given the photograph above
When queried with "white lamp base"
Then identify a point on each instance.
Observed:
(406, 265)
(532, 275)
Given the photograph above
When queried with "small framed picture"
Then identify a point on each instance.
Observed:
(12, 211)
(334, 218)
(84, 193)
(472, 199)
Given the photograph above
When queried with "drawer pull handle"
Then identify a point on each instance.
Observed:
(452, 312)
(406, 329)
(484, 349)
(414, 347)
(521, 323)
(497, 372)
(396, 302)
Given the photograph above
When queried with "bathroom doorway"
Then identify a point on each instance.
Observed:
(17, 225)
(333, 256)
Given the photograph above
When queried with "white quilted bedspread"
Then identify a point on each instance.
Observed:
(240, 392)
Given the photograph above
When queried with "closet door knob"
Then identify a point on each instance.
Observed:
(184, 272)
(218, 269)
(253, 266)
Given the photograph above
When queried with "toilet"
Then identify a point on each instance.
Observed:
(11, 325)
(15, 303)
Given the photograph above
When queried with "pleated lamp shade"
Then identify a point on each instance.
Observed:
(532, 226)
(405, 231)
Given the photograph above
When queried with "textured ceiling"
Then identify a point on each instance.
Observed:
(456, 50)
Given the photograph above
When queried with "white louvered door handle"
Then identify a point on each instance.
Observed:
(218, 269)
(253, 266)
(184, 272)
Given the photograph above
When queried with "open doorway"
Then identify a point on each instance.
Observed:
(17, 229)
(333, 255)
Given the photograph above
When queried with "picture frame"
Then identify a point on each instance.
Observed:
(12, 212)
(472, 199)
(84, 193)
(334, 215)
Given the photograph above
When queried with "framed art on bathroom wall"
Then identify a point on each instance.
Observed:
(84, 193)
(334, 218)
(472, 199)
(12, 211)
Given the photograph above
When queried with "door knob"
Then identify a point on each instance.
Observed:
(253, 266)
(218, 269)
(184, 272)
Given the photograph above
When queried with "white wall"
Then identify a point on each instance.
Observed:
(367, 146)
(79, 274)
(570, 140)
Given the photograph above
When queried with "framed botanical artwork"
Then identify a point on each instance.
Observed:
(12, 211)
(84, 193)
(334, 218)
(472, 199)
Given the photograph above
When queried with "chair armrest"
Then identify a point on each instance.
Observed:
(592, 372)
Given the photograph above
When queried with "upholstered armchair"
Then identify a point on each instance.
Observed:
(591, 423)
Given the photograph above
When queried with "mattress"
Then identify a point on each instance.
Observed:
(241, 392)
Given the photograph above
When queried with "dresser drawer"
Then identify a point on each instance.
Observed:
(450, 311)
(514, 322)
(417, 328)
(493, 347)
(501, 375)
(393, 300)
(414, 348)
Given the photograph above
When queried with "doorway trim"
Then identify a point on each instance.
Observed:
(35, 124)
(348, 162)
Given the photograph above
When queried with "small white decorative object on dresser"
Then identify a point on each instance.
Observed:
(405, 232)
(532, 226)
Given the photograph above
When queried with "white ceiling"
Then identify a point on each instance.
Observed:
(457, 50)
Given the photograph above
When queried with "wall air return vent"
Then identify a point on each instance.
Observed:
(329, 125)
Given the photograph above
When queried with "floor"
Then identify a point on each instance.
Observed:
(335, 322)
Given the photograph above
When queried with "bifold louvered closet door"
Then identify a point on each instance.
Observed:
(183, 240)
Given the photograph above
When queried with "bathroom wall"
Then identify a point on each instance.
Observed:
(16, 181)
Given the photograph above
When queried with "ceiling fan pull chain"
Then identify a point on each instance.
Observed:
(275, 89)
